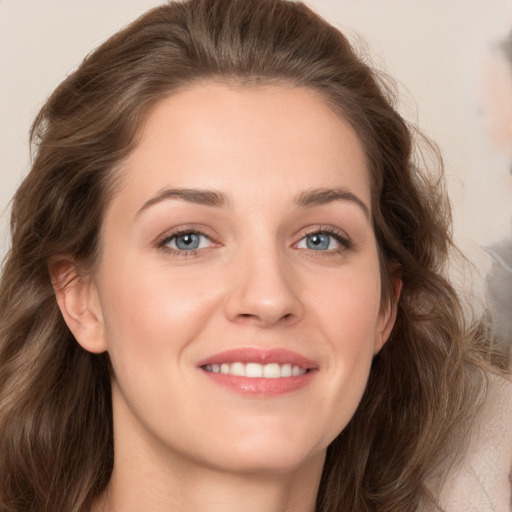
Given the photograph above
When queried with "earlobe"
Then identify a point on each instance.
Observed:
(388, 317)
(79, 304)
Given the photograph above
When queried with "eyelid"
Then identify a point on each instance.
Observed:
(341, 236)
(201, 230)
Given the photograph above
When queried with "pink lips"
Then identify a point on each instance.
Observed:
(253, 355)
(261, 386)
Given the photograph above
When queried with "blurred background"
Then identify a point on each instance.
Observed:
(452, 60)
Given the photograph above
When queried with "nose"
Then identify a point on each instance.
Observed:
(265, 291)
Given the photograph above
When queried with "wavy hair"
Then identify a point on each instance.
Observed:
(56, 435)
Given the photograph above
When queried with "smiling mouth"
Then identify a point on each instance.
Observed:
(257, 370)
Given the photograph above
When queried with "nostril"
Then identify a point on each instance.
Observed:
(286, 318)
(243, 318)
(264, 319)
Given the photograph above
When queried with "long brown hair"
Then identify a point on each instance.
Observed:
(56, 439)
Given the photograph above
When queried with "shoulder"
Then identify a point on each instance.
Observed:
(480, 481)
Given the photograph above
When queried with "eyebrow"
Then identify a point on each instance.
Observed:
(320, 196)
(191, 195)
(308, 198)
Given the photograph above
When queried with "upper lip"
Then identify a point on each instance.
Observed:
(261, 356)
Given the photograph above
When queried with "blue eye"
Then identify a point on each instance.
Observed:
(189, 241)
(318, 241)
(321, 241)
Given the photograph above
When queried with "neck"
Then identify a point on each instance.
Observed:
(140, 487)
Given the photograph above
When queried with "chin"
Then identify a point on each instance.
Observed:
(265, 451)
(266, 463)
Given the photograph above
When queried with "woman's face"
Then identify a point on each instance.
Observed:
(238, 291)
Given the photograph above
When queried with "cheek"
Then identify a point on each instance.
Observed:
(349, 306)
(151, 314)
(151, 320)
(353, 328)
(347, 313)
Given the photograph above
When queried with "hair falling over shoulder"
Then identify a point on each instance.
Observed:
(56, 435)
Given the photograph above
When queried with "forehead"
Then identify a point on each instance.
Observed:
(239, 139)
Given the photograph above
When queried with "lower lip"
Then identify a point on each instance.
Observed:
(259, 386)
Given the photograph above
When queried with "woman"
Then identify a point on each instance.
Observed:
(225, 289)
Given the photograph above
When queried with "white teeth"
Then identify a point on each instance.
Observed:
(272, 371)
(286, 370)
(238, 369)
(255, 370)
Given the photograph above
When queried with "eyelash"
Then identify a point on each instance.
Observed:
(162, 244)
(342, 239)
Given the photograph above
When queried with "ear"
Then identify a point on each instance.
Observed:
(387, 317)
(79, 304)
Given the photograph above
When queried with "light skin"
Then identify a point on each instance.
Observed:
(272, 188)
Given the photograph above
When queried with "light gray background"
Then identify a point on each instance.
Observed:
(435, 49)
